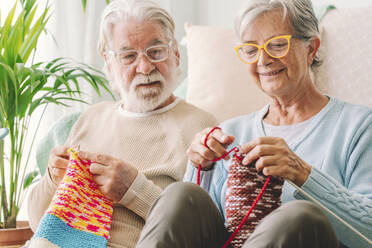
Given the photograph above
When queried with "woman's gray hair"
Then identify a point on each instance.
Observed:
(142, 10)
(301, 15)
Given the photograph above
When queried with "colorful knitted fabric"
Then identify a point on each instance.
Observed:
(243, 186)
(79, 214)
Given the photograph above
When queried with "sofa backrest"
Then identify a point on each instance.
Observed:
(346, 47)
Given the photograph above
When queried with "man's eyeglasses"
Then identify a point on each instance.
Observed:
(157, 53)
(276, 47)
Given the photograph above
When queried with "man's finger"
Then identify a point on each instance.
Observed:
(100, 180)
(96, 157)
(97, 169)
(58, 162)
(60, 151)
(58, 172)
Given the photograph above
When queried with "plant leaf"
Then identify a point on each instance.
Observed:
(29, 178)
(84, 3)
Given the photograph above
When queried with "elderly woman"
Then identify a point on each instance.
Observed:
(319, 144)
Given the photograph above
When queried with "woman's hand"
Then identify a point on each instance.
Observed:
(217, 142)
(113, 176)
(58, 162)
(273, 157)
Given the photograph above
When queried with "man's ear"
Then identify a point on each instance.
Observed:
(313, 49)
(177, 57)
(176, 52)
(107, 63)
(109, 74)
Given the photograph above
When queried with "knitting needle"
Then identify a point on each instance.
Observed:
(330, 212)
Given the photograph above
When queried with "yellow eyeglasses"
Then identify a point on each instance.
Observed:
(277, 47)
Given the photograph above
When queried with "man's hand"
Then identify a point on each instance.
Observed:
(58, 162)
(113, 176)
(217, 142)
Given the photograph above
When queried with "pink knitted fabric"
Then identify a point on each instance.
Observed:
(79, 214)
(243, 186)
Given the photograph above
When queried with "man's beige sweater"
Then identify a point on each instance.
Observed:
(155, 143)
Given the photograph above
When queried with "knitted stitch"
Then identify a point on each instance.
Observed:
(79, 214)
(243, 186)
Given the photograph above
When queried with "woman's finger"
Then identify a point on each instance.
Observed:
(259, 151)
(196, 159)
(265, 161)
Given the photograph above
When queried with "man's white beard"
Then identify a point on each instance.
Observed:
(140, 99)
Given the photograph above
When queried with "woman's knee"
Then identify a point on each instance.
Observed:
(185, 203)
(294, 217)
(294, 224)
(300, 212)
(184, 193)
(182, 199)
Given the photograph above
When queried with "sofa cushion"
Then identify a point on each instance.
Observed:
(218, 81)
(346, 49)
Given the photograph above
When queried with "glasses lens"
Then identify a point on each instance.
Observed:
(157, 53)
(128, 57)
(277, 47)
(248, 53)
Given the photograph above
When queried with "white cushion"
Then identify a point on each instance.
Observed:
(218, 81)
(346, 48)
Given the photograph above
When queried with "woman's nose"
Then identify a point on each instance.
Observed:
(264, 58)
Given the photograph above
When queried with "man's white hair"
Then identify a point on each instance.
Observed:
(141, 10)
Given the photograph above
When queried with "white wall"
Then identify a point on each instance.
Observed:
(222, 12)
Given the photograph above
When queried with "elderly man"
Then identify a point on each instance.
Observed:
(138, 144)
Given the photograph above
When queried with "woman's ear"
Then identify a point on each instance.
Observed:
(313, 49)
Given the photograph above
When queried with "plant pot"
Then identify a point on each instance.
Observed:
(15, 236)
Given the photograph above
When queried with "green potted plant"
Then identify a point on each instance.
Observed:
(84, 3)
(26, 86)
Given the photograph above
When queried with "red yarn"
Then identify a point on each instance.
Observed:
(235, 149)
(207, 136)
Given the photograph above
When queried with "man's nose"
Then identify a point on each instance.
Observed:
(144, 65)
